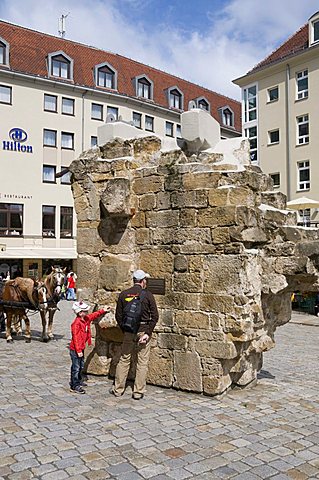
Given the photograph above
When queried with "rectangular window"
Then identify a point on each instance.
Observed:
(251, 134)
(250, 103)
(50, 103)
(67, 106)
(302, 129)
(67, 140)
(96, 111)
(48, 174)
(276, 179)
(169, 129)
(273, 94)
(303, 175)
(93, 142)
(149, 123)
(48, 221)
(304, 217)
(60, 67)
(66, 222)
(114, 111)
(66, 177)
(49, 138)
(106, 77)
(316, 31)
(137, 120)
(2, 53)
(5, 94)
(178, 131)
(302, 84)
(273, 137)
(11, 219)
(143, 88)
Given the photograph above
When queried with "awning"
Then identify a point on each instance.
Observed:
(12, 252)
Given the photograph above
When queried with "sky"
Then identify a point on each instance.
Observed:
(208, 42)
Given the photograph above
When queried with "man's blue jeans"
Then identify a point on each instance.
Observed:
(76, 369)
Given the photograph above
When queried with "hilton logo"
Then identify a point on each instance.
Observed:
(18, 137)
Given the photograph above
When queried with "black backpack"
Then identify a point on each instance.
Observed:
(132, 314)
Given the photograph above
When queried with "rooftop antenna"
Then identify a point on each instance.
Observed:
(62, 25)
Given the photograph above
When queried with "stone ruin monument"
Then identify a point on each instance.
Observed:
(209, 224)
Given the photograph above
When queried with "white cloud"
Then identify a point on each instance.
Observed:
(238, 36)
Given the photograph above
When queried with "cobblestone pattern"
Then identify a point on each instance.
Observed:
(270, 431)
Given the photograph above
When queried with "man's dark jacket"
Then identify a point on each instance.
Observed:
(149, 315)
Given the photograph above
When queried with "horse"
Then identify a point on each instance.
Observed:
(19, 295)
(53, 283)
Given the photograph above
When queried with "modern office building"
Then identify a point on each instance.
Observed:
(280, 114)
(54, 93)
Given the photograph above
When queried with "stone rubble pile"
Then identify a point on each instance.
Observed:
(229, 251)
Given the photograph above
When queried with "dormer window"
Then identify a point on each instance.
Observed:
(175, 98)
(105, 76)
(144, 87)
(203, 104)
(313, 23)
(4, 52)
(227, 116)
(60, 65)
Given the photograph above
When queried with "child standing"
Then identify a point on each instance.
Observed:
(81, 335)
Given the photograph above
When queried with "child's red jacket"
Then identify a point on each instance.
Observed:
(81, 330)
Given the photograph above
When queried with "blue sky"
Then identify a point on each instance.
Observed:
(209, 42)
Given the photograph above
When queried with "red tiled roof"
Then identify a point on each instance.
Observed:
(296, 43)
(29, 50)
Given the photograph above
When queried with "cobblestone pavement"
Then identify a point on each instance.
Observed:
(270, 431)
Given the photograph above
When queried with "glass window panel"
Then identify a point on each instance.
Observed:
(169, 129)
(67, 140)
(49, 138)
(5, 94)
(316, 31)
(97, 111)
(113, 111)
(68, 106)
(48, 173)
(137, 120)
(149, 123)
(2, 54)
(252, 115)
(66, 177)
(66, 221)
(93, 141)
(50, 103)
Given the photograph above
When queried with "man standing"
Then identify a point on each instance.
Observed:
(140, 338)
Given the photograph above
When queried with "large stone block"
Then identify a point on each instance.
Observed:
(187, 371)
(196, 198)
(158, 263)
(87, 264)
(149, 184)
(217, 303)
(171, 341)
(116, 197)
(216, 385)
(192, 320)
(162, 218)
(216, 349)
(160, 370)
(114, 272)
(187, 282)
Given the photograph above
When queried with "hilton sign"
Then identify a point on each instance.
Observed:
(16, 144)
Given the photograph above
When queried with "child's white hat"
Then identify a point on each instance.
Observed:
(78, 307)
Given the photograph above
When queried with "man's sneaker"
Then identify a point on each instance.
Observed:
(77, 389)
(137, 396)
(111, 391)
(84, 384)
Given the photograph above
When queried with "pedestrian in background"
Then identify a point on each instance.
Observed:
(81, 336)
(70, 292)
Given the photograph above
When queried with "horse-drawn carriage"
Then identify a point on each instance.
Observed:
(20, 295)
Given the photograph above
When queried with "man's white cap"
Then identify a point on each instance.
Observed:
(78, 307)
(140, 275)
